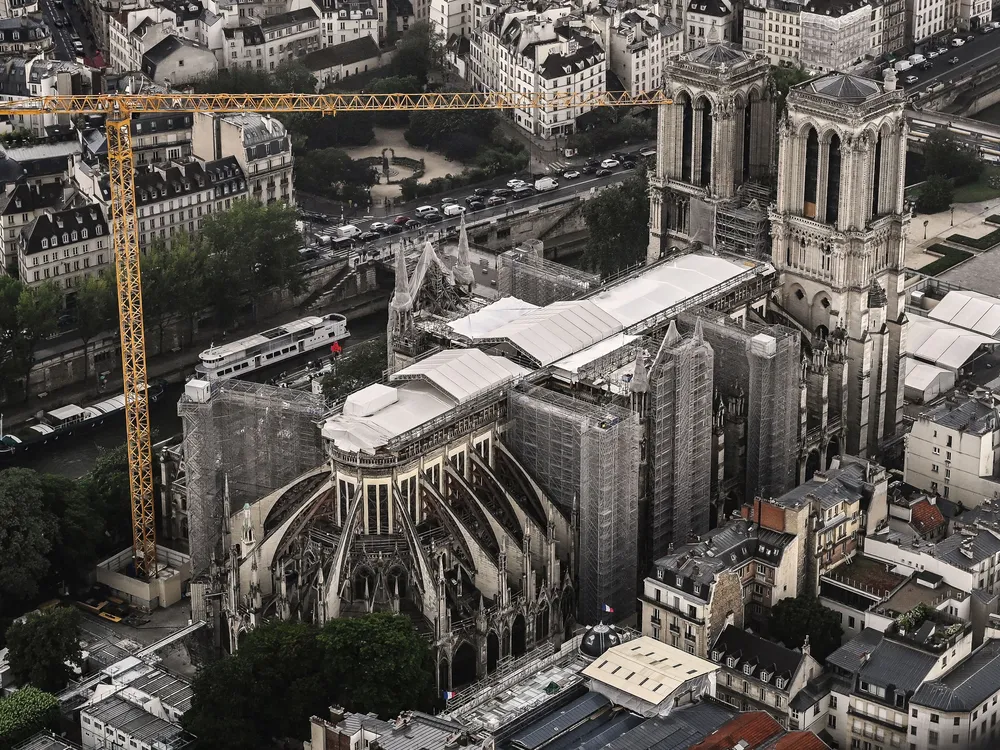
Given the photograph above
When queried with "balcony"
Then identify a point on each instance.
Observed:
(852, 711)
(690, 637)
(675, 628)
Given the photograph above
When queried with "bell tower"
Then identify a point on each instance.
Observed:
(838, 236)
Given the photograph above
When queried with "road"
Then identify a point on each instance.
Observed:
(62, 38)
(981, 52)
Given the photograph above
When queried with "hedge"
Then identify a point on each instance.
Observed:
(950, 256)
(982, 243)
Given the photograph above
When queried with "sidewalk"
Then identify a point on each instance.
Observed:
(969, 219)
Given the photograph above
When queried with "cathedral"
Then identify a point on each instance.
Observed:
(522, 462)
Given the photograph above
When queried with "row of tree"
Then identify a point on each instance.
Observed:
(947, 164)
(286, 672)
(618, 222)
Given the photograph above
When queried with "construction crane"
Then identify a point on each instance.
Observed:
(118, 110)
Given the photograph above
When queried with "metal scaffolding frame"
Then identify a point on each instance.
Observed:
(742, 225)
(525, 275)
(586, 455)
(258, 436)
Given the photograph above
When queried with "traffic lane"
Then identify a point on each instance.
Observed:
(60, 37)
(980, 53)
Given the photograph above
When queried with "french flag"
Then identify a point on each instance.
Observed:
(448, 695)
(606, 608)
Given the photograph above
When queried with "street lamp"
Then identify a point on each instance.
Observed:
(926, 222)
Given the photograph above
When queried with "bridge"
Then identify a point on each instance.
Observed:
(983, 136)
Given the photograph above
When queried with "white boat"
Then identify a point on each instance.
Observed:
(270, 347)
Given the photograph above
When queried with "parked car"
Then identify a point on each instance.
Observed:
(628, 165)
(501, 192)
(610, 164)
(379, 226)
(571, 175)
(942, 50)
(957, 42)
(477, 206)
(369, 236)
(401, 220)
(523, 192)
(970, 38)
(394, 229)
(935, 87)
(453, 209)
(424, 210)
(448, 201)
(471, 199)
(932, 54)
(602, 172)
(482, 192)
(515, 184)
(433, 218)
(987, 29)
(413, 224)
(953, 61)
(911, 79)
(495, 200)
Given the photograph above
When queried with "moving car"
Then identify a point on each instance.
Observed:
(515, 184)
(424, 210)
(433, 218)
(378, 226)
(471, 199)
(927, 65)
(953, 61)
(571, 175)
(546, 183)
(78, 47)
(495, 200)
(501, 192)
(603, 172)
(477, 206)
(413, 224)
(453, 209)
(369, 236)
(393, 229)
(970, 38)
(525, 191)
(401, 220)
(911, 79)
(448, 201)
(482, 192)
(610, 164)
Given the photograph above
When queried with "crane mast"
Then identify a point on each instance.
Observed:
(118, 110)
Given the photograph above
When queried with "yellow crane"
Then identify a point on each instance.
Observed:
(118, 110)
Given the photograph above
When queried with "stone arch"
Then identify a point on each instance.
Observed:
(492, 651)
(518, 636)
(444, 674)
(802, 129)
(505, 642)
(397, 574)
(820, 308)
(813, 464)
(822, 332)
(810, 191)
(363, 574)
(832, 177)
(704, 106)
(464, 665)
(796, 300)
(832, 450)
(686, 101)
(542, 622)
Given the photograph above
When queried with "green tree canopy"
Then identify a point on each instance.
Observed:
(359, 365)
(42, 644)
(458, 134)
(794, 619)
(96, 310)
(784, 79)
(79, 532)
(618, 220)
(419, 53)
(936, 194)
(24, 713)
(27, 531)
(397, 84)
(945, 156)
(28, 315)
(105, 489)
(287, 78)
(331, 173)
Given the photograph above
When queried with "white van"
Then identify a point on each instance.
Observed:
(916, 59)
(348, 230)
(957, 42)
(902, 65)
(545, 183)
(421, 210)
(453, 209)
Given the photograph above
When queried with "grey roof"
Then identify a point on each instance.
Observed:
(721, 53)
(983, 545)
(680, 730)
(893, 663)
(844, 86)
(561, 721)
(971, 416)
(46, 741)
(43, 151)
(846, 483)
(412, 731)
(257, 129)
(133, 721)
(289, 18)
(814, 691)
(968, 684)
(63, 228)
(850, 656)
(25, 198)
(169, 688)
(763, 655)
(598, 732)
(347, 53)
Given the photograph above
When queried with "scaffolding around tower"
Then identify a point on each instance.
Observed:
(524, 274)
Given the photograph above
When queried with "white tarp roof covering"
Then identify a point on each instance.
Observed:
(942, 344)
(550, 333)
(462, 373)
(423, 391)
(927, 380)
(972, 310)
(665, 285)
(483, 322)
(571, 365)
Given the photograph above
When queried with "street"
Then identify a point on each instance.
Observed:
(62, 38)
(982, 51)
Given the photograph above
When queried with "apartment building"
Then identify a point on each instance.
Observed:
(133, 33)
(827, 514)
(21, 77)
(709, 21)
(784, 32)
(273, 40)
(760, 675)
(115, 724)
(926, 19)
(344, 22)
(735, 575)
(836, 34)
(638, 43)
(24, 35)
(451, 18)
(64, 247)
(953, 449)
(174, 61)
(260, 145)
(754, 25)
(538, 51)
(20, 205)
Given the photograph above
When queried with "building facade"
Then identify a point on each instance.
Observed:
(836, 35)
(838, 229)
(64, 247)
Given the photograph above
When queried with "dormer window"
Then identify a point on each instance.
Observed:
(716, 656)
(45, 244)
(781, 682)
(748, 669)
(765, 676)
(83, 233)
(65, 237)
(54, 240)
(731, 662)
(99, 229)
(73, 235)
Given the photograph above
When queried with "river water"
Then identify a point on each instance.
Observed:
(990, 114)
(74, 457)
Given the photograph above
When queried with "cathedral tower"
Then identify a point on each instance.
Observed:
(838, 234)
(717, 135)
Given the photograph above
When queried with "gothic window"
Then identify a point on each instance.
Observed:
(383, 509)
(827, 257)
(833, 181)
(371, 524)
(812, 174)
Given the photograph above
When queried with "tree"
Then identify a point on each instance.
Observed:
(266, 691)
(419, 53)
(618, 220)
(289, 77)
(25, 713)
(457, 133)
(379, 664)
(794, 619)
(43, 644)
(935, 195)
(79, 528)
(106, 492)
(10, 332)
(26, 533)
(37, 316)
(331, 173)
(251, 248)
(945, 156)
(96, 311)
(398, 84)
(784, 78)
(357, 367)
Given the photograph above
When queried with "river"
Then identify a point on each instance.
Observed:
(990, 114)
(74, 457)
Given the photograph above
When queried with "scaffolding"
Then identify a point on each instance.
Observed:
(759, 367)
(742, 226)
(679, 442)
(586, 456)
(529, 277)
(258, 437)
